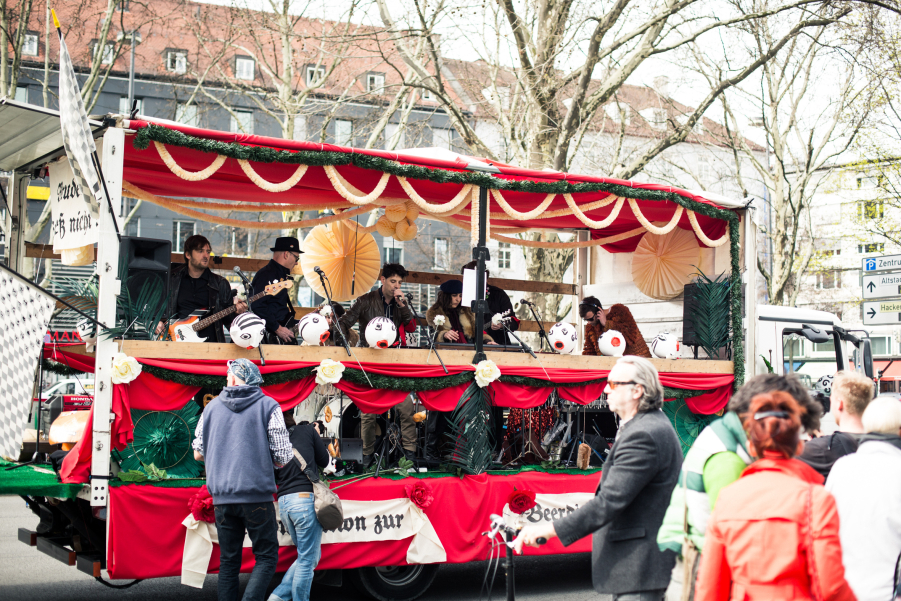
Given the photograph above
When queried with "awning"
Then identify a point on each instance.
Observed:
(181, 161)
(892, 369)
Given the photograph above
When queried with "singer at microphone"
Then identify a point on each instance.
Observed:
(277, 310)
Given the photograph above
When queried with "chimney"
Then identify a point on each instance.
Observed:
(661, 85)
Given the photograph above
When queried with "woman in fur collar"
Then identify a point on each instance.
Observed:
(459, 322)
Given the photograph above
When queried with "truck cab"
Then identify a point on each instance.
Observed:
(813, 345)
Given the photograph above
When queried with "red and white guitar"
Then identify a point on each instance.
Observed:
(185, 330)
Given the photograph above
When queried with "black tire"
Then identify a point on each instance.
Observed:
(394, 583)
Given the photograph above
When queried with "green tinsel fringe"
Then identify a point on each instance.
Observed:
(738, 334)
(318, 158)
(59, 368)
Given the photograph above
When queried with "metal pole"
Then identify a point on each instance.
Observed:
(508, 568)
(131, 77)
(480, 254)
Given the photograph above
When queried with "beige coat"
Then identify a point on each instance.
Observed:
(467, 321)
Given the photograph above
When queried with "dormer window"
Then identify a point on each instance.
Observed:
(177, 61)
(245, 68)
(314, 74)
(30, 44)
(375, 83)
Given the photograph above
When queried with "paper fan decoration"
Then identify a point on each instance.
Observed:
(662, 265)
(163, 439)
(335, 248)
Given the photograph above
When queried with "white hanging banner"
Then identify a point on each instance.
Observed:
(364, 521)
(72, 221)
(548, 508)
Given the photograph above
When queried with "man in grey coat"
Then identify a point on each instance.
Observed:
(637, 481)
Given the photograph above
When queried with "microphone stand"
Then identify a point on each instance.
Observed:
(248, 292)
(328, 297)
(524, 346)
(431, 341)
(542, 335)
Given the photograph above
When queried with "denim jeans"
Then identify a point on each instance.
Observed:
(299, 519)
(259, 521)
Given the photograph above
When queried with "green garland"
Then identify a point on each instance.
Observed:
(59, 368)
(264, 154)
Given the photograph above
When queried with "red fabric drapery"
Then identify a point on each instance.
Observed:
(146, 538)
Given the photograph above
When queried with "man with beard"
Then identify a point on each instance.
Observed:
(193, 287)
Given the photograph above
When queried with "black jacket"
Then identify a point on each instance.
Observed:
(821, 453)
(306, 440)
(276, 310)
(627, 510)
(498, 302)
(221, 296)
(372, 305)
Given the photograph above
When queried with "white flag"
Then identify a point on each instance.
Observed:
(77, 137)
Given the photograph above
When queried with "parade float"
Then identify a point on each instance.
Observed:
(399, 525)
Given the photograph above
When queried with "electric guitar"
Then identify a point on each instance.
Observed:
(185, 330)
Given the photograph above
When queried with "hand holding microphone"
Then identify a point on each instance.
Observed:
(399, 298)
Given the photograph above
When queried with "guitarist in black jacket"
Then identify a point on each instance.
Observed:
(192, 286)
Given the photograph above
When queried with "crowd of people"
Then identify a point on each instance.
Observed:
(753, 511)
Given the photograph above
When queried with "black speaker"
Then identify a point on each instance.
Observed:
(144, 259)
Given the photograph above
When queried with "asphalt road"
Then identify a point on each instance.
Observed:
(28, 575)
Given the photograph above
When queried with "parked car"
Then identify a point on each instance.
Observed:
(82, 386)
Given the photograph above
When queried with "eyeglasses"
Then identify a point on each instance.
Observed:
(614, 385)
(296, 256)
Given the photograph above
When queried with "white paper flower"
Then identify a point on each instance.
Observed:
(486, 373)
(439, 320)
(125, 368)
(329, 372)
(325, 311)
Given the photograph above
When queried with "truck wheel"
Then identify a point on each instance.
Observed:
(394, 583)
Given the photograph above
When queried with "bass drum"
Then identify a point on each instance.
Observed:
(394, 583)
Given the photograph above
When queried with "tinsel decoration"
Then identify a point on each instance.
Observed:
(59, 368)
(471, 428)
(163, 439)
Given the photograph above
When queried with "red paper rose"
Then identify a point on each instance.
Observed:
(420, 493)
(521, 501)
(201, 506)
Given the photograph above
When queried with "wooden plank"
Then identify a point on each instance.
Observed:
(56, 551)
(45, 251)
(212, 351)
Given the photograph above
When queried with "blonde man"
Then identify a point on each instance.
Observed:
(851, 393)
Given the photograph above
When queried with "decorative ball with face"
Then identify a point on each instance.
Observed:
(665, 346)
(313, 329)
(247, 330)
(612, 344)
(380, 333)
(86, 330)
(563, 337)
(824, 385)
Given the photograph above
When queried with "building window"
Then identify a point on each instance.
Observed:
(393, 255)
(869, 181)
(181, 231)
(442, 138)
(241, 122)
(108, 54)
(704, 170)
(427, 95)
(827, 280)
(314, 75)
(390, 132)
(375, 83)
(870, 209)
(442, 254)
(122, 6)
(30, 44)
(245, 68)
(125, 109)
(22, 94)
(874, 247)
(177, 61)
(504, 252)
(133, 227)
(881, 345)
(344, 132)
(187, 114)
(239, 242)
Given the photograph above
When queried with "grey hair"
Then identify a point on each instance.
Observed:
(882, 416)
(646, 375)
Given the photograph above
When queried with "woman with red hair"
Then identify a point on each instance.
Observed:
(774, 533)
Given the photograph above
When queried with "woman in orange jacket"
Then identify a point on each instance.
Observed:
(773, 534)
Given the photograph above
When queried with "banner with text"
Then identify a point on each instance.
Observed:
(73, 225)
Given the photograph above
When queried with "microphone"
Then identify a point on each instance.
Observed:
(237, 269)
(525, 302)
(318, 270)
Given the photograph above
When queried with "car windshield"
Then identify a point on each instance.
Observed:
(813, 363)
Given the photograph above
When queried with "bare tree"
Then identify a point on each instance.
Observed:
(570, 62)
(814, 99)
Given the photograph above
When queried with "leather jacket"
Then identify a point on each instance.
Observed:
(372, 305)
(220, 297)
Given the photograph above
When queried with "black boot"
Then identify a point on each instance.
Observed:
(410, 455)
(367, 461)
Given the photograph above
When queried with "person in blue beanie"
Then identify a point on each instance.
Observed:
(241, 437)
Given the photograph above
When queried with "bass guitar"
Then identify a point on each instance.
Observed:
(185, 330)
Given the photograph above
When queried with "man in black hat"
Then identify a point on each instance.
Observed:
(277, 309)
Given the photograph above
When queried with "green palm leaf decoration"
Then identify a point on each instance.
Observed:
(471, 427)
(688, 425)
(163, 439)
(711, 322)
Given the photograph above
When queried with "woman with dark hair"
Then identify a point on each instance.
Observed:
(773, 533)
(617, 317)
(458, 323)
